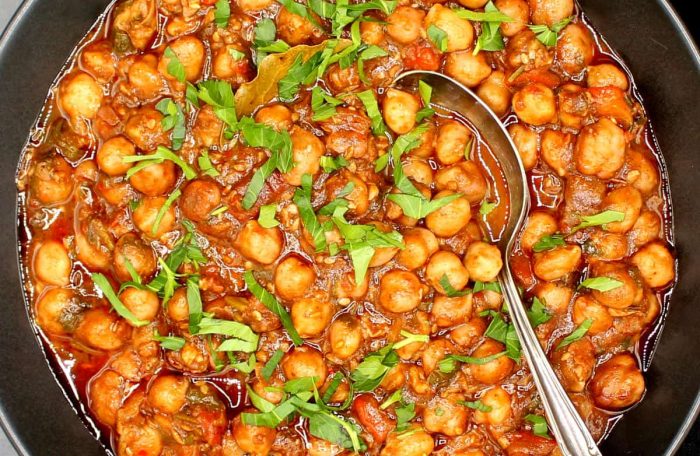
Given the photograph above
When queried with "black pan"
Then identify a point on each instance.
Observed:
(666, 65)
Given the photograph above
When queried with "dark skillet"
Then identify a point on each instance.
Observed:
(666, 66)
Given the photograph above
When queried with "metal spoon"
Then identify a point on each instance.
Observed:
(566, 424)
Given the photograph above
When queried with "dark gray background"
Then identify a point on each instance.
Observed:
(684, 8)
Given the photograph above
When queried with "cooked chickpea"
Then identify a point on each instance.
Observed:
(617, 383)
(414, 442)
(499, 400)
(465, 178)
(494, 371)
(253, 5)
(450, 219)
(178, 308)
(473, 4)
(628, 292)
(345, 336)
(225, 65)
(447, 312)
(557, 263)
(575, 48)
(451, 141)
(144, 128)
(404, 25)
(526, 141)
(656, 264)
(556, 298)
(495, 93)
(373, 32)
(311, 316)
(646, 229)
(52, 264)
(539, 224)
(199, 198)
(445, 416)
(519, 11)
(400, 291)
(293, 277)
(642, 172)
(600, 149)
(145, 215)
(256, 243)
(467, 68)
(256, 440)
(110, 155)
(80, 96)
(606, 75)
(358, 198)
(51, 180)
(524, 50)
(427, 143)
(419, 245)
(556, 149)
(294, 29)
(534, 104)
(141, 440)
(574, 364)
(144, 80)
(103, 330)
(549, 12)
(483, 261)
(446, 264)
(625, 199)
(98, 60)
(56, 309)
(93, 248)
(144, 304)
(105, 395)
(132, 250)
(277, 116)
(460, 33)
(382, 255)
(168, 393)
(307, 151)
(418, 170)
(468, 334)
(607, 246)
(346, 287)
(155, 179)
(399, 109)
(304, 361)
(190, 52)
(586, 307)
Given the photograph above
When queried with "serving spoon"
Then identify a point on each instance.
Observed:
(569, 429)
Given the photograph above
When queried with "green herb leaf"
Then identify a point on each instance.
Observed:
(163, 209)
(368, 99)
(273, 305)
(334, 429)
(288, 86)
(374, 367)
(476, 405)
(323, 8)
(392, 399)
(450, 291)
(222, 13)
(549, 242)
(264, 40)
(266, 218)
(404, 415)
(159, 156)
(278, 142)
(219, 95)
(169, 342)
(538, 313)
(103, 284)
(419, 207)
(218, 211)
(599, 219)
(258, 181)
(270, 419)
(174, 120)
(426, 93)
(369, 53)
(404, 143)
(243, 338)
(410, 338)
(577, 333)
(438, 37)
(271, 364)
(600, 284)
(330, 164)
(487, 207)
(236, 55)
(302, 198)
(539, 425)
(448, 364)
(549, 36)
(490, 38)
(323, 104)
(489, 286)
(175, 68)
(205, 165)
(194, 302)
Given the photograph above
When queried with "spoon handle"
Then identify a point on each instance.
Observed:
(569, 429)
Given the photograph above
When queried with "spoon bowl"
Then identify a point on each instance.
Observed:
(571, 433)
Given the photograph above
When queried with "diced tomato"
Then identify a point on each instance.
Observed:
(611, 102)
(375, 420)
(421, 56)
(538, 75)
(529, 444)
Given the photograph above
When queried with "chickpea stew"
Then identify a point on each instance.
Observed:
(238, 238)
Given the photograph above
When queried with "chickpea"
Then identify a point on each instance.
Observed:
(450, 219)
(253, 5)
(574, 364)
(139, 20)
(414, 442)
(345, 336)
(358, 198)
(526, 141)
(419, 245)
(557, 263)
(373, 32)
(156, 179)
(103, 330)
(628, 293)
(55, 310)
(304, 361)
(320, 447)
(294, 29)
(555, 298)
(145, 129)
(399, 109)
(645, 229)
(539, 224)
(467, 68)
(207, 127)
(556, 148)
(656, 264)
(575, 48)
(606, 75)
(109, 157)
(550, 12)
(277, 116)
(460, 33)
(256, 243)
(525, 51)
(617, 383)
(347, 288)
(427, 143)
(225, 65)
(574, 106)
(400, 291)
(499, 400)
(94, 256)
(445, 416)
(534, 104)
(199, 199)
(293, 277)
(80, 96)
(494, 371)
(586, 307)
(625, 199)
(146, 213)
(446, 264)
(130, 249)
(519, 11)
(468, 334)
(144, 80)
(168, 393)
(51, 180)
(144, 304)
(483, 261)
(642, 171)
(452, 139)
(311, 316)
(473, 4)
(447, 312)
(105, 394)
(307, 151)
(254, 440)
(141, 440)
(190, 52)
(178, 308)
(495, 93)
(418, 170)
(600, 149)
(404, 24)
(98, 60)
(52, 264)
(608, 246)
